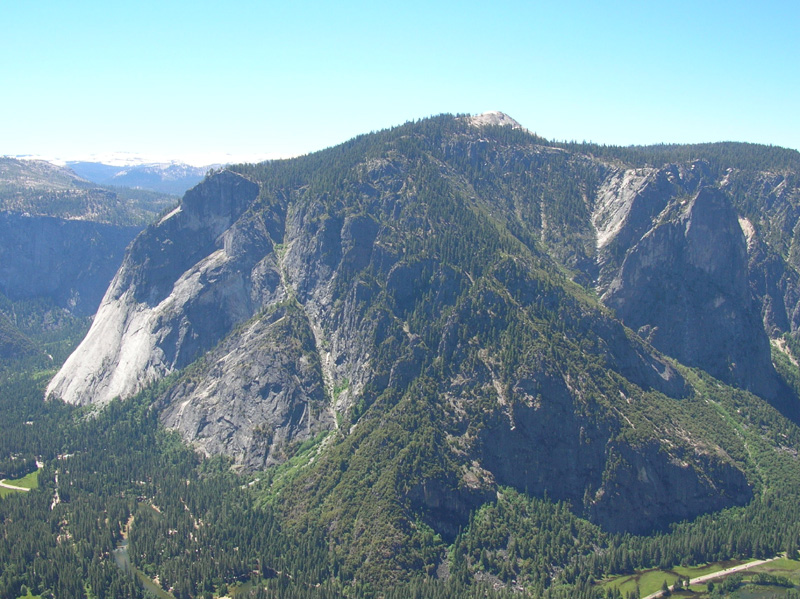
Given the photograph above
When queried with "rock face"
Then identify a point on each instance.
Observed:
(573, 467)
(683, 286)
(414, 281)
(494, 118)
(182, 286)
(661, 490)
(694, 278)
(266, 373)
(68, 261)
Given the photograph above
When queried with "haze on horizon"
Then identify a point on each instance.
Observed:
(193, 82)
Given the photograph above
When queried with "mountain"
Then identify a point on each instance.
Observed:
(36, 174)
(62, 237)
(423, 327)
(169, 178)
(38, 188)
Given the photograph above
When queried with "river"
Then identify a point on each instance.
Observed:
(123, 560)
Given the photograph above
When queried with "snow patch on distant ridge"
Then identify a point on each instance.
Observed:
(135, 159)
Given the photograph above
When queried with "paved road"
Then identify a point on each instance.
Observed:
(715, 575)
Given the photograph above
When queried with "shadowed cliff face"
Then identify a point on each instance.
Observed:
(659, 489)
(684, 287)
(68, 261)
(606, 480)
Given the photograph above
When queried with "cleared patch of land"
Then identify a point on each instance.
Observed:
(19, 485)
(781, 567)
(651, 581)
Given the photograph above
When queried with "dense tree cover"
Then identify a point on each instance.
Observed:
(192, 523)
(12, 342)
(722, 155)
(37, 334)
(113, 206)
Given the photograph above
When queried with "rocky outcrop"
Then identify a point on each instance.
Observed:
(493, 118)
(693, 283)
(661, 488)
(254, 395)
(182, 286)
(628, 202)
(774, 282)
(684, 287)
(605, 480)
(521, 451)
(769, 214)
(192, 279)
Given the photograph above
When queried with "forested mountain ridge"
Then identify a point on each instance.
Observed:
(38, 188)
(405, 328)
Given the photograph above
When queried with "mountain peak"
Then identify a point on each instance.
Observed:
(494, 117)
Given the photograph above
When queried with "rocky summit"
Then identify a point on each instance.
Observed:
(456, 306)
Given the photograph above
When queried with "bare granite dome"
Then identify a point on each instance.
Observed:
(494, 117)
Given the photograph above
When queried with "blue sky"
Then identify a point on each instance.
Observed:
(188, 79)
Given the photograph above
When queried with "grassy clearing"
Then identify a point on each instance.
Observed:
(781, 567)
(650, 581)
(29, 481)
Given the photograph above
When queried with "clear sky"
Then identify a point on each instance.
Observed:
(252, 79)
